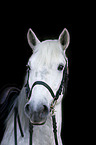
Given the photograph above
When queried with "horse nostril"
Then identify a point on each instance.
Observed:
(43, 112)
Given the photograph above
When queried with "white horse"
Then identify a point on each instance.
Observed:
(46, 65)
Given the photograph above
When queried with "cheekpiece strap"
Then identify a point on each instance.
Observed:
(27, 85)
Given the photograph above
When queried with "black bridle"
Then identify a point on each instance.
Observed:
(63, 85)
(62, 88)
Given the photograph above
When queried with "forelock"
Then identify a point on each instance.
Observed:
(48, 52)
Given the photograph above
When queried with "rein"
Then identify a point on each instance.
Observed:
(62, 87)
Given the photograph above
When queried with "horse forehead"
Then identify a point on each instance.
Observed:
(49, 45)
(47, 53)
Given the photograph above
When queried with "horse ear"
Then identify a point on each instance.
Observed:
(32, 39)
(64, 39)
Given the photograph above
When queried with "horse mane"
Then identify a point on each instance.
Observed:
(8, 97)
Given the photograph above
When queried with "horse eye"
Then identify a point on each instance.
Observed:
(60, 67)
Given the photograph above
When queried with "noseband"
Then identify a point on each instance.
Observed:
(59, 91)
(62, 88)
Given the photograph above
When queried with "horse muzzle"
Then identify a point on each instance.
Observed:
(37, 116)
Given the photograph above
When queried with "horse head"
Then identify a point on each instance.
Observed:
(47, 65)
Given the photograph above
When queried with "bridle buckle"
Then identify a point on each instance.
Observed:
(52, 107)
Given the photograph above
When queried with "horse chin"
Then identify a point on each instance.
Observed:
(38, 123)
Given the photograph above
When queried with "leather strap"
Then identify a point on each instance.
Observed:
(45, 85)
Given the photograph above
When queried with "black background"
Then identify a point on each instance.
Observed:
(48, 20)
(14, 54)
